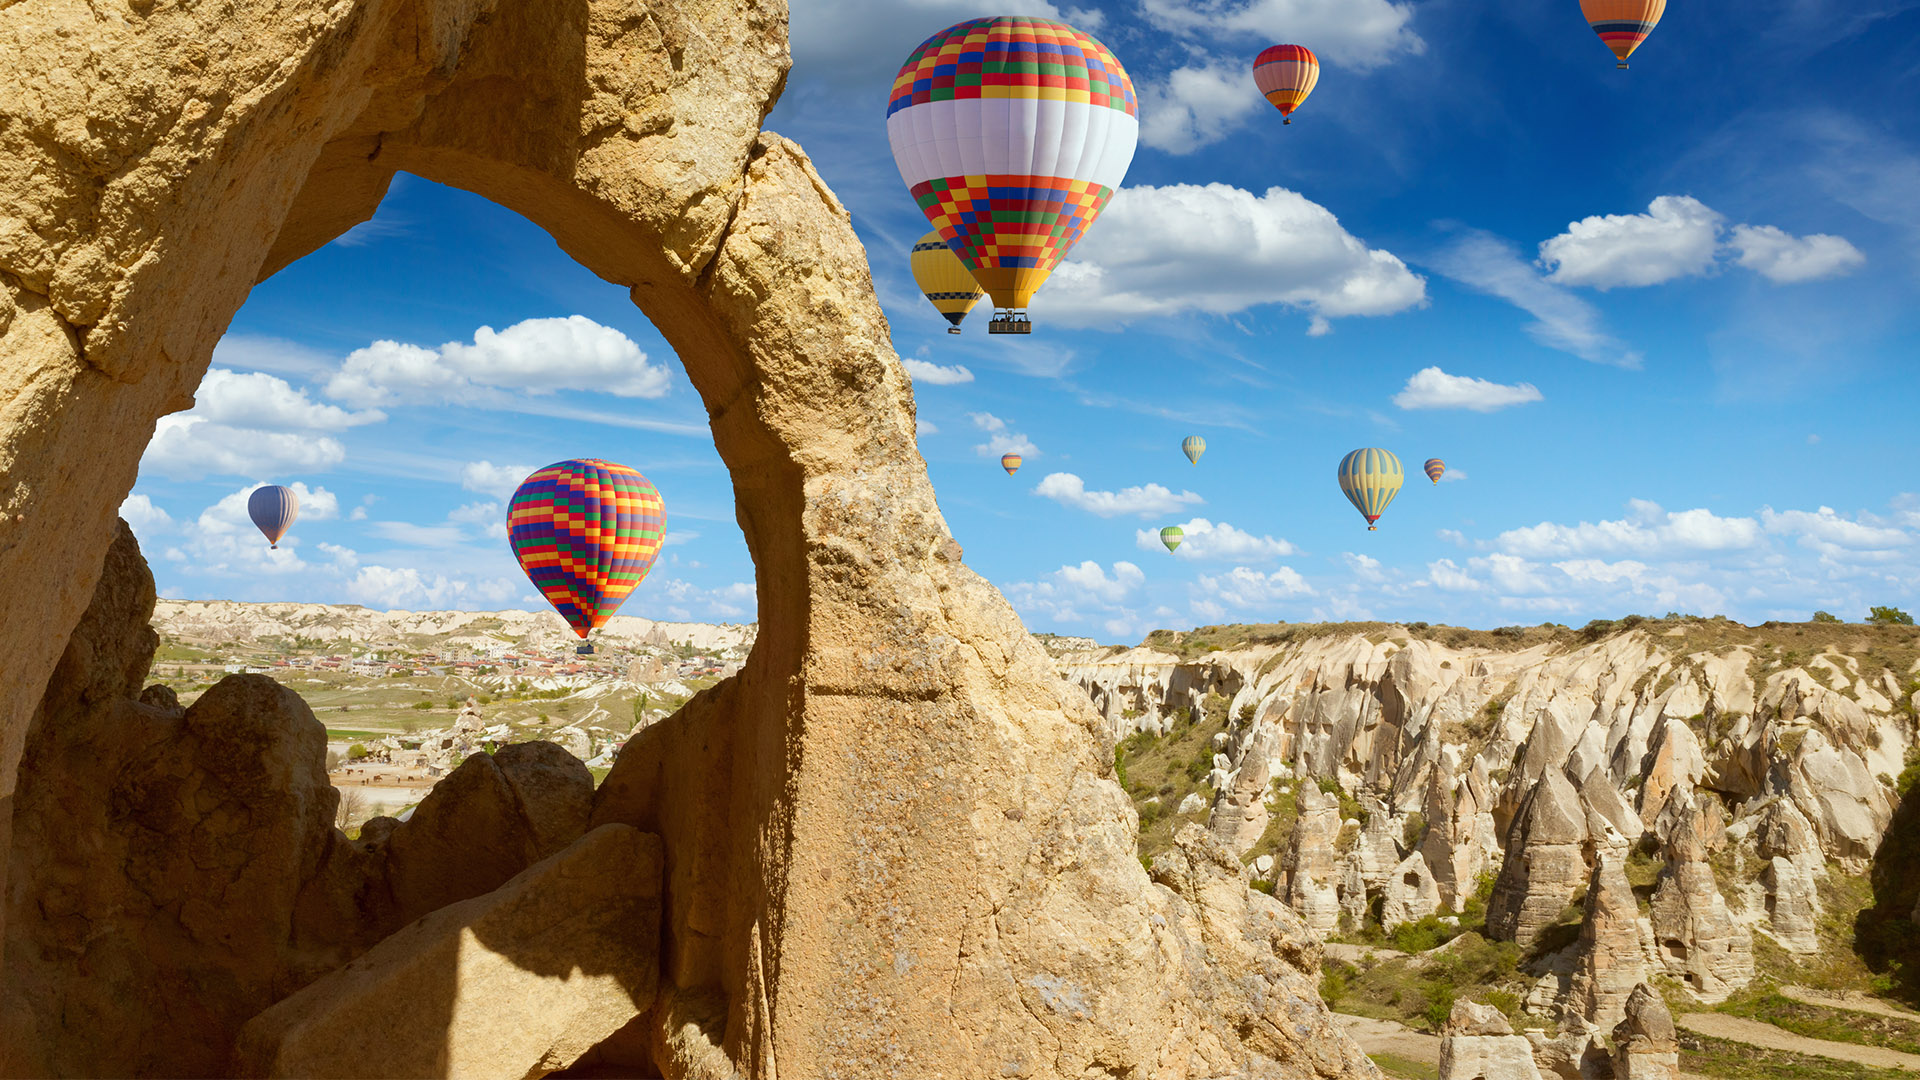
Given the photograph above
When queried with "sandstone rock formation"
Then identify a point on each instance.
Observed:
(1698, 941)
(1609, 960)
(1240, 811)
(1477, 1043)
(890, 846)
(1311, 881)
(1794, 867)
(1645, 1044)
(1546, 861)
(519, 982)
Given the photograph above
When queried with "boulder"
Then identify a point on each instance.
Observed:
(519, 982)
(1646, 1046)
(1410, 894)
(1477, 1043)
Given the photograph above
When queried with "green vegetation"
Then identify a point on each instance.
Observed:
(345, 734)
(1405, 1068)
(1819, 1022)
(1421, 995)
(422, 705)
(1889, 616)
(1825, 617)
(356, 752)
(1168, 768)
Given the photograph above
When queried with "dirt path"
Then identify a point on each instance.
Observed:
(1386, 1036)
(1851, 1002)
(1755, 1033)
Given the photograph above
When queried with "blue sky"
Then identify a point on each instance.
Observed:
(1661, 324)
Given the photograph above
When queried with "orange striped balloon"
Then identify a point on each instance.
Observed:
(1011, 463)
(1436, 469)
(1286, 74)
(1623, 24)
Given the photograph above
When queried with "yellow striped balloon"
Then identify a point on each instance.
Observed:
(1193, 446)
(1371, 478)
(1011, 463)
(944, 280)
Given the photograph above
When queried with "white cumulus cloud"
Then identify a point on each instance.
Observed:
(1356, 33)
(408, 589)
(224, 542)
(1246, 588)
(1000, 439)
(1072, 593)
(1786, 259)
(143, 517)
(534, 356)
(1676, 237)
(1218, 250)
(1432, 388)
(1146, 500)
(1204, 539)
(1650, 530)
(924, 371)
(1563, 321)
(1197, 105)
(498, 481)
(189, 447)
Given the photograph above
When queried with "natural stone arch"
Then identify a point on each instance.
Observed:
(888, 846)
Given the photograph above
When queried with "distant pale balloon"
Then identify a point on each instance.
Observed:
(944, 280)
(1193, 446)
(1435, 469)
(1286, 74)
(1012, 134)
(273, 509)
(1371, 478)
(1623, 24)
(1011, 463)
(586, 532)
(1171, 536)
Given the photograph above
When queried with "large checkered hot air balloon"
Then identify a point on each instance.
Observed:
(1012, 134)
(586, 532)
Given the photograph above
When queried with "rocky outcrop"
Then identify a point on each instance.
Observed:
(1411, 893)
(1578, 1052)
(1609, 960)
(1697, 940)
(1794, 868)
(1312, 883)
(891, 843)
(518, 982)
(1456, 809)
(1646, 1046)
(1477, 1043)
(1240, 810)
(1546, 861)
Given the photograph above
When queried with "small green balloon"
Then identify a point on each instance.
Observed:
(1171, 536)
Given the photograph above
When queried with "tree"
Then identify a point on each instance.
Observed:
(1889, 616)
(352, 801)
(1825, 617)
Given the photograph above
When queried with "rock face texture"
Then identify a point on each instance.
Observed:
(1609, 960)
(889, 842)
(1311, 869)
(1477, 1043)
(519, 982)
(1645, 1045)
(1698, 941)
(1547, 851)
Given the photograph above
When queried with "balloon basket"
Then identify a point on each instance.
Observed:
(953, 329)
(1622, 65)
(584, 649)
(1010, 322)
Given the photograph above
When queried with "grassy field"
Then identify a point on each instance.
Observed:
(1708, 1056)
(1405, 1068)
(1168, 768)
(1820, 1022)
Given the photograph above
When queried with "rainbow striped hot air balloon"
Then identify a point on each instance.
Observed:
(1193, 446)
(1286, 74)
(273, 509)
(1435, 469)
(1012, 134)
(944, 279)
(1171, 536)
(586, 532)
(1371, 478)
(1623, 24)
(1011, 463)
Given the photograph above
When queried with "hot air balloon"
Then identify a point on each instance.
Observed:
(1171, 536)
(1012, 134)
(945, 280)
(586, 532)
(1193, 446)
(1623, 24)
(273, 509)
(1371, 478)
(1435, 469)
(1286, 74)
(1011, 463)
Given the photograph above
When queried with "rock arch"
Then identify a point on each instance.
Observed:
(888, 844)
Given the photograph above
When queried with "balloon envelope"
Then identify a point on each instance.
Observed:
(586, 532)
(1171, 536)
(1435, 469)
(1286, 74)
(1011, 463)
(1193, 446)
(273, 509)
(1371, 478)
(1623, 24)
(943, 279)
(1012, 134)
